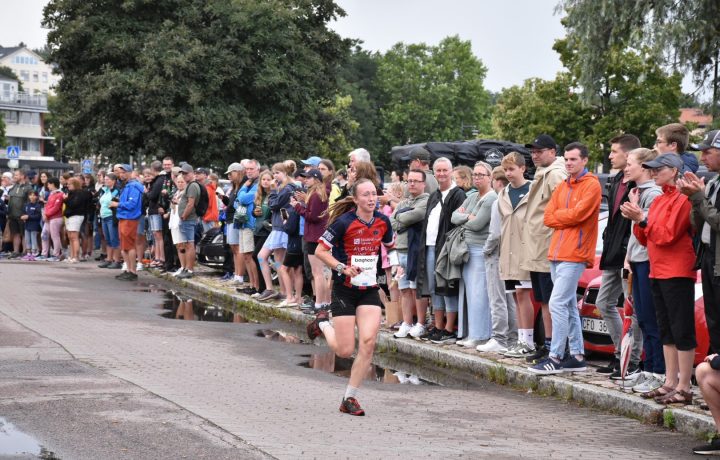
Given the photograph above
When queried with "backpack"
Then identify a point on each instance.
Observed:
(202, 205)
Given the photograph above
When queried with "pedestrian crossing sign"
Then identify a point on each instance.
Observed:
(13, 152)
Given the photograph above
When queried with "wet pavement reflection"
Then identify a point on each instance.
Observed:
(15, 442)
(186, 308)
(330, 363)
(279, 336)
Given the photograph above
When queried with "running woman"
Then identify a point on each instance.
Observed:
(355, 234)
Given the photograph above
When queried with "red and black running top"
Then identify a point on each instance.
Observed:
(350, 236)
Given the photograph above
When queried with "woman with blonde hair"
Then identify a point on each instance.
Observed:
(462, 175)
(281, 190)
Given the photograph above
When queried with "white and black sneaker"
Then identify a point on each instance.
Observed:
(632, 373)
(403, 331)
(547, 366)
(444, 337)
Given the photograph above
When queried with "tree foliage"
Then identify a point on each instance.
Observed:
(430, 92)
(633, 95)
(682, 34)
(208, 81)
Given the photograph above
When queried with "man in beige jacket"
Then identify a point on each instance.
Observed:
(549, 173)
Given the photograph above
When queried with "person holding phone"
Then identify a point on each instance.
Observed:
(351, 247)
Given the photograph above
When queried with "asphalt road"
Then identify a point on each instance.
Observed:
(90, 369)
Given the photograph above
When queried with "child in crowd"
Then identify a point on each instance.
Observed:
(31, 217)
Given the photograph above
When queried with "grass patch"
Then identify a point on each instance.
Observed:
(669, 419)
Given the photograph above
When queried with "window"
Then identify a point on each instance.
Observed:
(25, 75)
(29, 118)
(25, 60)
(44, 77)
(11, 117)
(36, 77)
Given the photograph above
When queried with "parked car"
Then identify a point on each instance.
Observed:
(210, 249)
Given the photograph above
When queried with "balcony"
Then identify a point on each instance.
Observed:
(24, 100)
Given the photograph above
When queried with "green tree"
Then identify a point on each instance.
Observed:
(430, 92)
(336, 146)
(205, 81)
(681, 34)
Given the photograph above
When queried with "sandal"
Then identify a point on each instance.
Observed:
(658, 393)
(677, 397)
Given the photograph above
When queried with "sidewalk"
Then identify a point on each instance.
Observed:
(586, 389)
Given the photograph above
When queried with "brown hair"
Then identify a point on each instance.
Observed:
(347, 204)
(627, 142)
(283, 168)
(75, 182)
(465, 174)
(260, 193)
(366, 170)
(498, 173)
(513, 158)
(331, 166)
(675, 132)
(318, 187)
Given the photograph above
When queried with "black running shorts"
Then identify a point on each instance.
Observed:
(345, 300)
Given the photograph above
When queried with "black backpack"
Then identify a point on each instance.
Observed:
(202, 205)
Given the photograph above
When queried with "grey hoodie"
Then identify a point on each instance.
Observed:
(636, 252)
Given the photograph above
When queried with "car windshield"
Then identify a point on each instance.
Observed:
(602, 223)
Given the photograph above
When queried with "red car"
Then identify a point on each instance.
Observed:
(595, 333)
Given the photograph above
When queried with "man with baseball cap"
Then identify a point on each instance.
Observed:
(311, 163)
(188, 220)
(419, 158)
(705, 216)
(536, 236)
(129, 211)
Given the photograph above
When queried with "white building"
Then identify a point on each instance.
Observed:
(24, 116)
(35, 75)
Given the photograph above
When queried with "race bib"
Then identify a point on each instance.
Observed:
(368, 264)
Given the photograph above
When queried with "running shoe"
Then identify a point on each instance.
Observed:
(432, 334)
(186, 274)
(179, 270)
(105, 264)
(417, 331)
(313, 327)
(572, 364)
(227, 276)
(139, 267)
(468, 343)
(445, 337)
(268, 294)
(101, 257)
(541, 353)
(631, 373)
(41, 257)
(52, 259)
(547, 366)
(711, 448)
(114, 265)
(649, 383)
(403, 331)
(611, 367)
(491, 346)
(521, 350)
(127, 276)
(351, 406)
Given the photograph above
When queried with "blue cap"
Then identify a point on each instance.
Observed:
(126, 167)
(312, 161)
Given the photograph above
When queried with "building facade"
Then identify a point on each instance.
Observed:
(24, 115)
(35, 75)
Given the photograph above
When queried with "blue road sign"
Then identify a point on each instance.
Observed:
(13, 152)
(87, 166)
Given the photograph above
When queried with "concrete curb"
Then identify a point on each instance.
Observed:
(594, 396)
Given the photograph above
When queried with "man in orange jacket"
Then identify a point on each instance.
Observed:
(573, 214)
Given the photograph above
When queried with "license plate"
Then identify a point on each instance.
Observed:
(595, 325)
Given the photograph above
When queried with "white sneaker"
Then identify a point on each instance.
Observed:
(139, 267)
(179, 270)
(521, 350)
(124, 267)
(417, 331)
(469, 343)
(404, 330)
(633, 380)
(491, 346)
(650, 383)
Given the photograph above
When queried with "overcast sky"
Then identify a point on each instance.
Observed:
(513, 38)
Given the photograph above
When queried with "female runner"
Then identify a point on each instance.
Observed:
(354, 235)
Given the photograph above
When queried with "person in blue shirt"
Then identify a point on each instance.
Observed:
(129, 211)
(32, 214)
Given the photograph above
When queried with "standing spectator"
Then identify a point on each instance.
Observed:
(211, 217)
(77, 201)
(502, 305)
(188, 220)
(168, 189)
(706, 219)
(31, 218)
(474, 216)
(17, 199)
(407, 222)
(573, 213)
(419, 158)
(674, 138)
(327, 169)
(246, 240)
(5, 187)
(313, 208)
(263, 222)
(512, 206)
(462, 175)
(637, 257)
(233, 260)
(53, 217)
(87, 228)
(129, 212)
(441, 204)
(357, 156)
(549, 173)
(667, 234)
(108, 218)
(276, 243)
(156, 209)
(615, 243)
(174, 220)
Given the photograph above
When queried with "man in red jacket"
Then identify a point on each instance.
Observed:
(573, 214)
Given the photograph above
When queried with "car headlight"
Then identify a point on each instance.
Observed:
(217, 239)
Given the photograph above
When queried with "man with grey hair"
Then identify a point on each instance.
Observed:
(440, 206)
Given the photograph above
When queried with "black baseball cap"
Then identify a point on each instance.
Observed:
(418, 153)
(543, 141)
(671, 160)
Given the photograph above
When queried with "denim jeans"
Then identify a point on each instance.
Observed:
(439, 302)
(502, 304)
(563, 309)
(645, 310)
(110, 230)
(474, 297)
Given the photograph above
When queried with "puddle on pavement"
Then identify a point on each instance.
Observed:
(279, 336)
(148, 287)
(332, 364)
(15, 442)
(184, 307)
